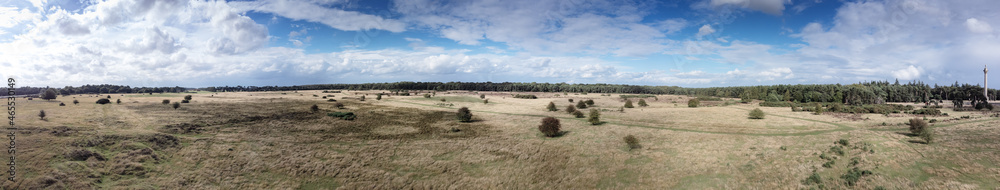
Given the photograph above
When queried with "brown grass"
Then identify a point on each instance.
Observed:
(265, 140)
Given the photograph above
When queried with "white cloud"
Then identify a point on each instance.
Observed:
(544, 26)
(705, 30)
(774, 7)
(672, 25)
(314, 12)
(908, 73)
(977, 26)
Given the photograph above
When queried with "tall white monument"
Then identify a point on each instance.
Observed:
(985, 87)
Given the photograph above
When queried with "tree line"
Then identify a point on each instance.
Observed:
(873, 92)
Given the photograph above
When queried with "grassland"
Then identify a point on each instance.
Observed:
(271, 140)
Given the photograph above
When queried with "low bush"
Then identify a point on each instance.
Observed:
(852, 176)
(379, 97)
(187, 97)
(829, 164)
(62, 104)
(570, 109)
(464, 115)
(118, 101)
(570, 100)
(756, 113)
(331, 100)
(525, 96)
(342, 115)
(443, 100)
(632, 142)
(590, 102)
(551, 107)
(627, 96)
(917, 126)
(595, 117)
(176, 105)
(486, 101)
(628, 104)
(549, 127)
(642, 103)
(314, 108)
(338, 105)
(927, 111)
(185, 101)
(693, 103)
(427, 96)
(41, 114)
(927, 135)
(581, 104)
(103, 101)
(166, 102)
(708, 98)
(843, 142)
(837, 150)
(578, 114)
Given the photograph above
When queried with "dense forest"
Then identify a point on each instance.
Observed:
(874, 92)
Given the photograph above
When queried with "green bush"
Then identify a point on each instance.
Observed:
(338, 105)
(590, 102)
(549, 127)
(164, 101)
(578, 114)
(852, 176)
(632, 142)
(118, 101)
(843, 142)
(628, 104)
(76, 102)
(185, 101)
(570, 109)
(570, 100)
(464, 115)
(41, 114)
(331, 100)
(551, 107)
(443, 100)
(176, 105)
(103, 101)
(486, 101)
(482, 96)
(581, 104)
(814, 179)
(693, 103)
(379, 97)
(627, 96)
(427, 96)
(829, 164)
(595, 117)
(756, 113)
(642, 103)
(927, 111)
(525, 96)
(838, 150)
(187, 97)
(917, 126)
(927, 135)
(342, 115)
(314, 108)
(62, 104)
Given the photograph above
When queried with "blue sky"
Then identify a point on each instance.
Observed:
(693, 43)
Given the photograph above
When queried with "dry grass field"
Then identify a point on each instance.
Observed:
(271, 140)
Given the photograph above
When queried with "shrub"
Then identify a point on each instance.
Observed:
(628, 104)
(486, 101)
(176, 105)
(378, 97)
(363, 98)
(581, 104)
(118, 101)
(331, 100)
(551, 106)
(427, 96)
(818, 109)
(187, 97)
(578, 114)
(314, 108)
(814, 179)
(693, 103)
(109, 96)
(927, 111)
(829, 164)
(49, 94)
(590, 102)
(927, 135)
(338, 105)
(525, 96)
(166, 102)
(756, 113)
(342, 115)
(76, 102)
(185, 101)
(843, 142)
(443, 100)
(852, 176)
(627, 96)
(570, 100)
(464, 115)
(62, 104)
(482, 96)
(595, 117)
(570, 109)
(550, 127)
(917, 126)
(837, 149)
(632, 142)
(103, 101)
(41, 114)
(642, 103)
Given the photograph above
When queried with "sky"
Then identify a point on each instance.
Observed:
(689, 43)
